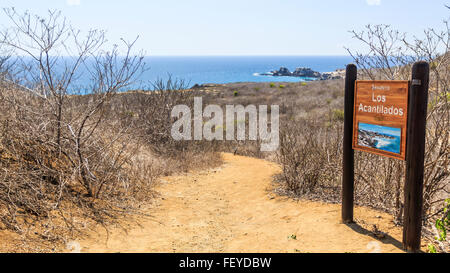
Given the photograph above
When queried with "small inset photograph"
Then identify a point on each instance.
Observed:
(379, 137)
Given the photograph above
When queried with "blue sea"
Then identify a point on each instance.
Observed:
(230, 69)
(212, 69)
(391, 144)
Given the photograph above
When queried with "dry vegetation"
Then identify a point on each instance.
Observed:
(311, 120)
(67, 160)
(312, 125)
(298, 101)
(311, 150)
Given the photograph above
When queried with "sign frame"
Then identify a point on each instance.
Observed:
(381, 120)
(415, 152)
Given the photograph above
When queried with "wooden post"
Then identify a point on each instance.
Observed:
(348, 156)
(415, 151)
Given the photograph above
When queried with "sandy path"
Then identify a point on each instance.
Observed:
(231, 209)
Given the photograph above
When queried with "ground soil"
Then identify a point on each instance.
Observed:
(233, 209)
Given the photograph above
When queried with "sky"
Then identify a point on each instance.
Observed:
(381, 129)
(240, 27)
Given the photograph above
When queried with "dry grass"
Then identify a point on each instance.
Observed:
(297, 101)
(43, 197)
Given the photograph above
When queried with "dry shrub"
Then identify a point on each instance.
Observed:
(42, 189)
(153, 115)
(67, 159)
(295, 101)
(64, 163)
(149, 117)
(309, 154)
(379, 180)
(391, 55)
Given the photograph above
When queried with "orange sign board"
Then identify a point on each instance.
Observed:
(380, 117)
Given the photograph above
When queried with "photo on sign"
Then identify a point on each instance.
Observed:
(379, 137)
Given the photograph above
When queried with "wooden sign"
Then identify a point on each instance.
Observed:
(380, 117)
(376, 114)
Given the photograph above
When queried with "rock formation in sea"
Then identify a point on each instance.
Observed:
(306, 72)
(369, 139)
(283, 71)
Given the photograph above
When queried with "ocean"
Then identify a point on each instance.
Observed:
(391, 145)
(380, 137)
(230, 69)
(208, 69)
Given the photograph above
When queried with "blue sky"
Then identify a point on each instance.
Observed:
(241, 27)
(380, 129)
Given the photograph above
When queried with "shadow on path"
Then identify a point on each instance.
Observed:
(387, 239)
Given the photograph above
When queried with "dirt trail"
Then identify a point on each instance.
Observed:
(232, 209)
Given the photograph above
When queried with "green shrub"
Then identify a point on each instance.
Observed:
(128, 114)
(272, 85)
(338, 115)
(442, 226)
(281, 86)
(433, 65)
(235, 93)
